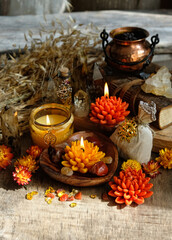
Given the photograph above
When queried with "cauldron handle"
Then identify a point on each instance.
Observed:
(154, 40)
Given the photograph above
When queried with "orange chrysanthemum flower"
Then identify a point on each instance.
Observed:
(5, 156)
(22, 175)
(130, 186)
(34, 151)
(28, 162)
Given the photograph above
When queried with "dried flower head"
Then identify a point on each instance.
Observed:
(151, 168)
(5, 156)
(34, 151)
(130, 163)
(128, 129)
(28, 162)
(130, 186)
(165, 158)
(22, 175)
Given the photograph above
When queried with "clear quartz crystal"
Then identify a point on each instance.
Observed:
(81, 104)
(159, 83)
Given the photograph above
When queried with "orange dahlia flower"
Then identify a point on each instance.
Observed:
(130, 186)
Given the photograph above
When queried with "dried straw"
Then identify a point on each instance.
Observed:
(24, 78)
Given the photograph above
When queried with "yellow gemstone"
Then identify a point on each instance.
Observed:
(93, 196)
(73, 205)
(29, 196)
(34, 193)
(61, 193)
(48, 200)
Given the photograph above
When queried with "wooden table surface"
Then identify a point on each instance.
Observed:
(91, 219)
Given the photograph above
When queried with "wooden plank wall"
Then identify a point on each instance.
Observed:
(22, 7)
(115, 4)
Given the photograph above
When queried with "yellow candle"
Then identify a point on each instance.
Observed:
(81, 156)
(51, 119)
(50, 124)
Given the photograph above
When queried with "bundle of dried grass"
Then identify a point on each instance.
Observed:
(24, 78)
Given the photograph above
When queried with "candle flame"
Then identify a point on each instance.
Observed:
(47, 120)
(106, 90)
(15, 114)
(82, 143)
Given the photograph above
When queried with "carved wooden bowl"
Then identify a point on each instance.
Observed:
(78, 179)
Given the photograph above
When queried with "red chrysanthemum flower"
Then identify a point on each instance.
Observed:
(5, 156)
(22, 175)
(34, 151)
(130, 186)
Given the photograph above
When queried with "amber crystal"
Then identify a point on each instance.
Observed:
(130, 186)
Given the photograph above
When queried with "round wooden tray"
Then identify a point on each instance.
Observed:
(77, 179)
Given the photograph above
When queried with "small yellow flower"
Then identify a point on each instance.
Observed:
(165, 158)
(133, 164)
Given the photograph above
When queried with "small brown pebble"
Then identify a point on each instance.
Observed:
(105, 197)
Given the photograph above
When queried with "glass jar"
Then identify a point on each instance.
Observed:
(50, 124)
(64, 89)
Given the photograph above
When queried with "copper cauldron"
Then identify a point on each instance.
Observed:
(129, 50)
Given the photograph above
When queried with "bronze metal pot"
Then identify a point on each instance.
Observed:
(129, 50)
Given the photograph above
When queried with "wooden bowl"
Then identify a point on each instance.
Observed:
(78, 179)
